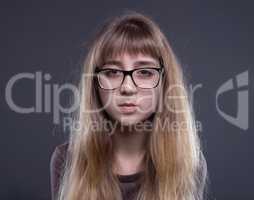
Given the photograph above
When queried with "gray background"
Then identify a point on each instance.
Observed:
(212, 39)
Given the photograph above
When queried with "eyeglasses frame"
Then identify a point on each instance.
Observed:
(129, 72)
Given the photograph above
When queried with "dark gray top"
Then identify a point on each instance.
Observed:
(129, 184)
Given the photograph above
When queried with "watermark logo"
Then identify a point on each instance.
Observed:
(42, 88)
(46, 91)
(241, 120)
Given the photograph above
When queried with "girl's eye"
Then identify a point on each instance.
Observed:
(145, 72)
(112, 73)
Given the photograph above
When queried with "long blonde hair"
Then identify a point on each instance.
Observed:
(174, 157)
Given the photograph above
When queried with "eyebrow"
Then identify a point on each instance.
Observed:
(137, 63)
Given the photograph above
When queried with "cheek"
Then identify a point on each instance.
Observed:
(148, 100)
(104, 96)
(107, 99)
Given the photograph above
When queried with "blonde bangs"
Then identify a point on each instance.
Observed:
(134, 37)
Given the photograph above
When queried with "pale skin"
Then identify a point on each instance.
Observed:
(129, 145)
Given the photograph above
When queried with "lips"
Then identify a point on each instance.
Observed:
(127, 107)
(127, 104)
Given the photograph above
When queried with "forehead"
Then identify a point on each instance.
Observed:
(127, 59)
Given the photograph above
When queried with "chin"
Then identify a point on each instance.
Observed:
(129, 120)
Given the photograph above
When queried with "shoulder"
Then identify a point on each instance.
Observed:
(62, 148)
(202, 177)
(203, 165)
(57, 163)
(58, 156)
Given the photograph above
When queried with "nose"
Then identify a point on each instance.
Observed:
(128, 85)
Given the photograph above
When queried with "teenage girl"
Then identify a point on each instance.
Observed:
(138, 138)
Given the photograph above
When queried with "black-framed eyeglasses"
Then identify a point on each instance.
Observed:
(144, 77)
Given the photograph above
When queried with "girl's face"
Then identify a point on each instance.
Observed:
(142, 102)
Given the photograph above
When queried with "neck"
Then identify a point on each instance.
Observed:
(129, 149)
(129, 143)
